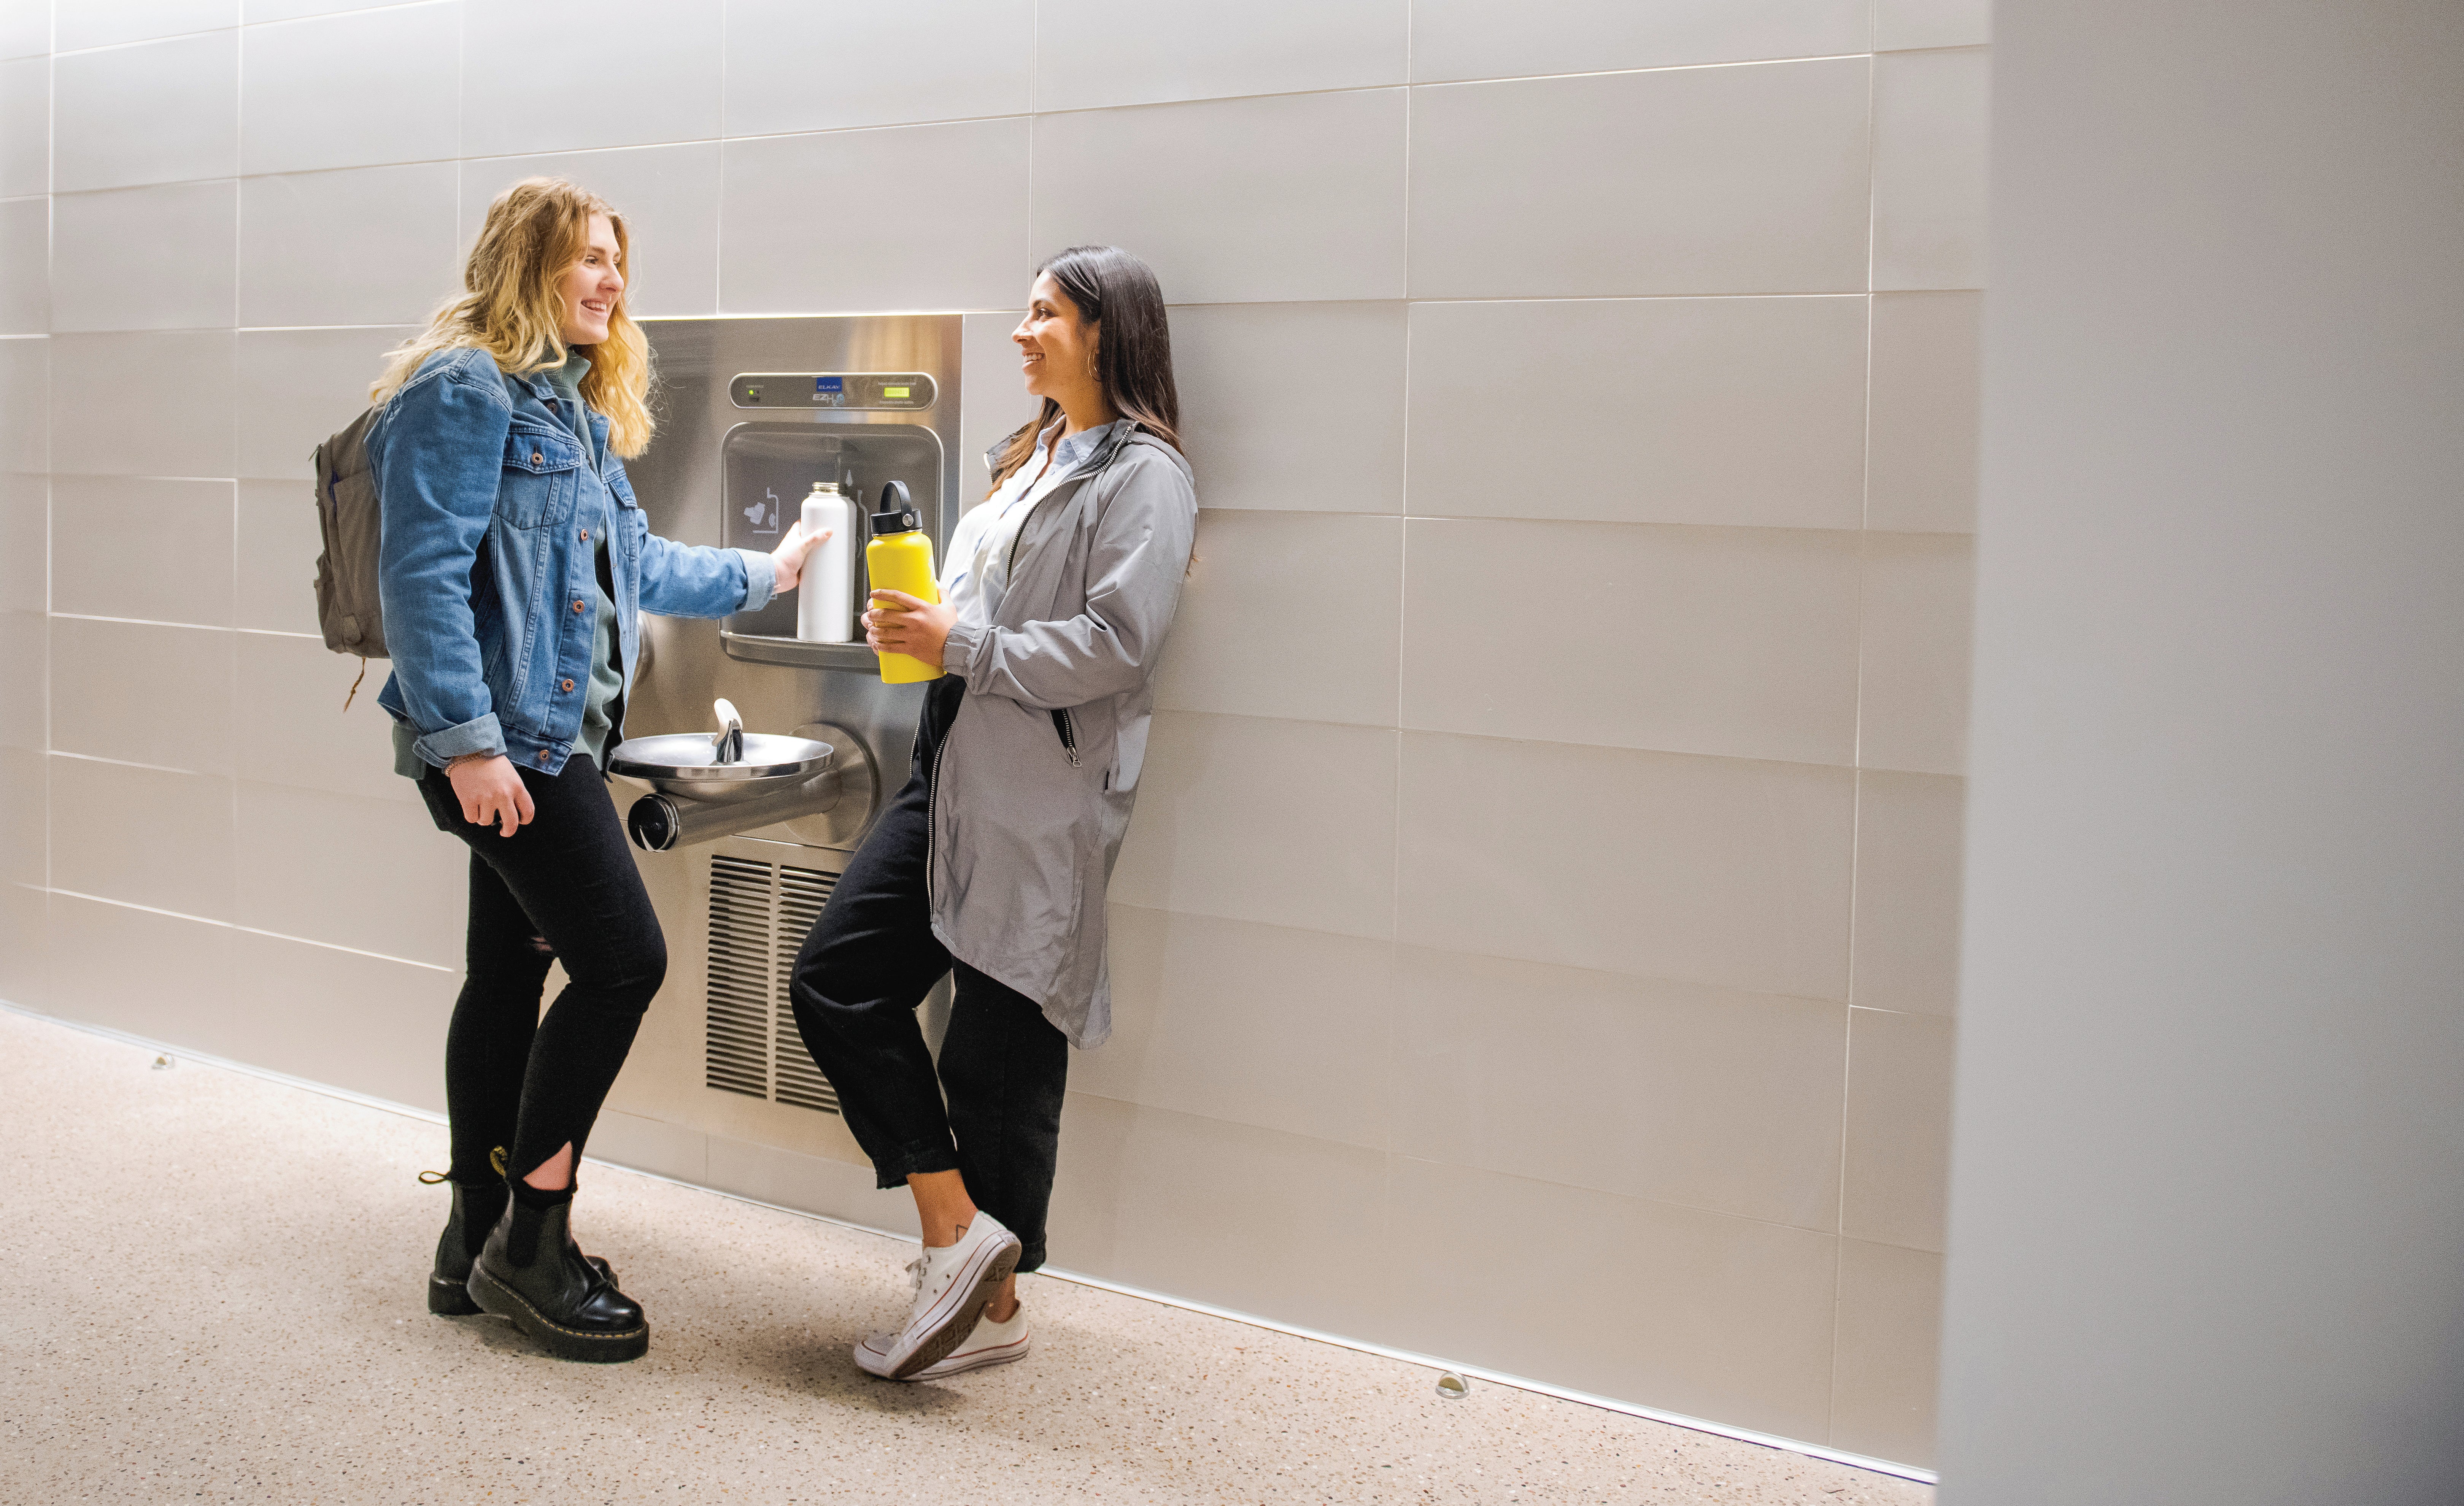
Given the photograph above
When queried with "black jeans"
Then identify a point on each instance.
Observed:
(869, 962)
(562, 888)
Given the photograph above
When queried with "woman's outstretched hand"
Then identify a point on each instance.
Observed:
(789, 556)
(900, 623)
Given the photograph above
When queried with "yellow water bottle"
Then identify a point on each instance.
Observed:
(900, 558)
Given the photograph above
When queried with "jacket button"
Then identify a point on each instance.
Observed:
(537, 458)
(568, 684)
(543, 755)
(585, 536)
(577, 606)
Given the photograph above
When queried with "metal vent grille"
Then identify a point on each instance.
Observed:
(759, 913)
(802, 894)
(738, 1050)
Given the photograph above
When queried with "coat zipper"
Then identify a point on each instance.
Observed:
(1061, 722)
(932, 812)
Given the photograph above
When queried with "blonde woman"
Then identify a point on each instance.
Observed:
(515, 563)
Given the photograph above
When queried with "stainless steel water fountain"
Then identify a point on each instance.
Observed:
(742, 824)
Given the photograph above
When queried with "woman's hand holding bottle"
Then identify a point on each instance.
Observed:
(900, 623)
(790, 556)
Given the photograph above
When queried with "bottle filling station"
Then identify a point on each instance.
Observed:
(744, 824)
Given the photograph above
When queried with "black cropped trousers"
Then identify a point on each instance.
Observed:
(866, 966)
(562, 888)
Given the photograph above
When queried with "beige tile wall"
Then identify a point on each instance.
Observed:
(1549, 863)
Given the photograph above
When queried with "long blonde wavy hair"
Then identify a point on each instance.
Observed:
(513, 307)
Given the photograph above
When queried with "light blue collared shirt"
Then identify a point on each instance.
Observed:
(975, 575)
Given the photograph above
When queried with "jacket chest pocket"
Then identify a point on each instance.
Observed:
(539, 476)
(625, 525)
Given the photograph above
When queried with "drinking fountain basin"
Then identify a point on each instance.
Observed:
(816, 785)
(685, 766)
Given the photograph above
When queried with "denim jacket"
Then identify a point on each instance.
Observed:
(486, 570)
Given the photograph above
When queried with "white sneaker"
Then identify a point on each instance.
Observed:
(991, 1343)
(951, 1286)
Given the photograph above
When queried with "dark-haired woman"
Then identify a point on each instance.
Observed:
(992, 862)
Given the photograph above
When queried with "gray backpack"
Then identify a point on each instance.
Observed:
(347, 517)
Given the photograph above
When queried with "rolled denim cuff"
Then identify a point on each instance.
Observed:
(479, 735)
(760, 580)
(959, 649)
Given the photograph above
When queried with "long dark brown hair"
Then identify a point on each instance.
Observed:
(1117, 294)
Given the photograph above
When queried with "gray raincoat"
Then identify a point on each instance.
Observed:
(1032, 788)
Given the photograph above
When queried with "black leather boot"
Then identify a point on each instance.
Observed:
(529, 1272)
(478, 1206)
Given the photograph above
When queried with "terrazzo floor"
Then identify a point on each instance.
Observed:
(218, 1285)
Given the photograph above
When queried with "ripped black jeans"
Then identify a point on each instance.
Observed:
(562, 888)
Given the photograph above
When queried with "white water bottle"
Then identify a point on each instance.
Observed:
(825, 593)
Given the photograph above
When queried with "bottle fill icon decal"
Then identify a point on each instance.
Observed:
(763, 515)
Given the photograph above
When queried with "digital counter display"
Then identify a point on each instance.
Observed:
(832, 393)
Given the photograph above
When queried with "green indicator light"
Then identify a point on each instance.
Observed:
(896, 392)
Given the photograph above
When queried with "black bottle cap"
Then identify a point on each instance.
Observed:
(897, 511)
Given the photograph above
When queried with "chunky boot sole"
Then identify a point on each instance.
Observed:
(962, 1322)
(450, 1299)
(493, 1295)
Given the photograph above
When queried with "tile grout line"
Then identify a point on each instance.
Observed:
(1535, 962)
(1447, 302)
(241, 27)
(50, 251)
(1032, 113)
(131, 763)
(1505, 737)
(1034, 75)
(1390, 1164)
(1404, 531)
(1389, 1158)
(234, 926)
(239, 241)
(1857, 783)
(50, 175)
